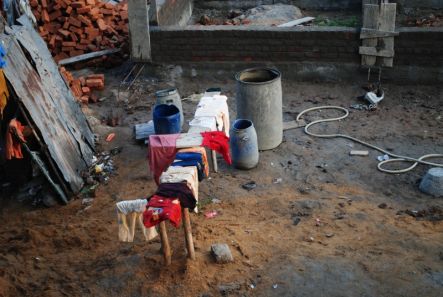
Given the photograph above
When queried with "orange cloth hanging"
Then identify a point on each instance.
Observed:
(13, 145)
(4, 93)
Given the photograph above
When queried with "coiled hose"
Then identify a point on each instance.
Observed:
(395, 158)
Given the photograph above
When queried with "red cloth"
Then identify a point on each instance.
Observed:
(161, 153)
(13, 145)
(162, 208)
(219, 142)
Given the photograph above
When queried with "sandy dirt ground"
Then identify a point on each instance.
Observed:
(333, 226)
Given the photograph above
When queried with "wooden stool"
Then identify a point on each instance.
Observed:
(166, 248)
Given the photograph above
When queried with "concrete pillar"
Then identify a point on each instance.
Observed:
(140, 44)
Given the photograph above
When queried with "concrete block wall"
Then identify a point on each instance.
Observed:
(314, 4)
(414, 46)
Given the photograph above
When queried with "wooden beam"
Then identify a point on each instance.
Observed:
(374, 52)
(371, 33)
(296, 22)
(88, 56)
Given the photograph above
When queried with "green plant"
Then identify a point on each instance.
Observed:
(351, 21)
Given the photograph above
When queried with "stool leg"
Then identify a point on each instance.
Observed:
(165, 244)
(188, 234)
(214, 160)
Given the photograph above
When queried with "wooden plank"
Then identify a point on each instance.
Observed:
(88, 56)
(372, 51)
(387, 23)
(370, 21)
(371, 33)
(47, 115)
(50, 75)
(296, 22)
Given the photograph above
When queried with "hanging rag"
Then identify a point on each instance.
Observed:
(218, 142)
(132, 209)
(4, 93)
(161, 209)
(162, 150)
(215, 106)
(179, 190)
(13, 146)
(202, 151)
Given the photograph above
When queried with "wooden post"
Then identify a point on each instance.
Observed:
(188, 234)
(165, 244)
(140, 45)
(214, 160)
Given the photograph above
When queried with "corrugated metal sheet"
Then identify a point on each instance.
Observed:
(49, 102)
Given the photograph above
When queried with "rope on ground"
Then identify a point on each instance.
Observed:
(395, 158)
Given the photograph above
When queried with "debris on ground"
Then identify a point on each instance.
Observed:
(227, 289)
(431, 20)
(73, 28)
(110, 137)
(249, 185)
(211, 214)
(359, 153)
(99, 173)
(222, 253)
(433, 214)
(263, 15)
(383, 206)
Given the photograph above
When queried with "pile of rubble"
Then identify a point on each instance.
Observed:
(432, 20)
(72, 28)
(83, 87)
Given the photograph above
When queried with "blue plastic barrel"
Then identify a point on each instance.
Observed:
(166, 119)
(244, 144)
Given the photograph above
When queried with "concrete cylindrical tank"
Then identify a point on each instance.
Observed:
(170, 96)
(259, 99)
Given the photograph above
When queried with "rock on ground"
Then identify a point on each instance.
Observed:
(277, 14)
(222, 253)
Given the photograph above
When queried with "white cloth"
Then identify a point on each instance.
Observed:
(129, 206)
(204, 122)
(217, 107)
(132, 209)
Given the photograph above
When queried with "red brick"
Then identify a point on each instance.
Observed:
(94, 83)
(86, 90)
(44, 3)
(75, 22)
(101, 25)
(69, 10)
(77, 4)
(83, 10)
(65, 33)
(69, 43)
(45, 16)
(55, 15)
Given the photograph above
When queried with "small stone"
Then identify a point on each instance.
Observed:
(227, 289)
(382, 205)
(222, 253)
(296, 220)
(249, 186)
(329, 235)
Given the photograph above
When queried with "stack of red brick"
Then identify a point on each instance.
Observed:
(75, 27)
(83, 87)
